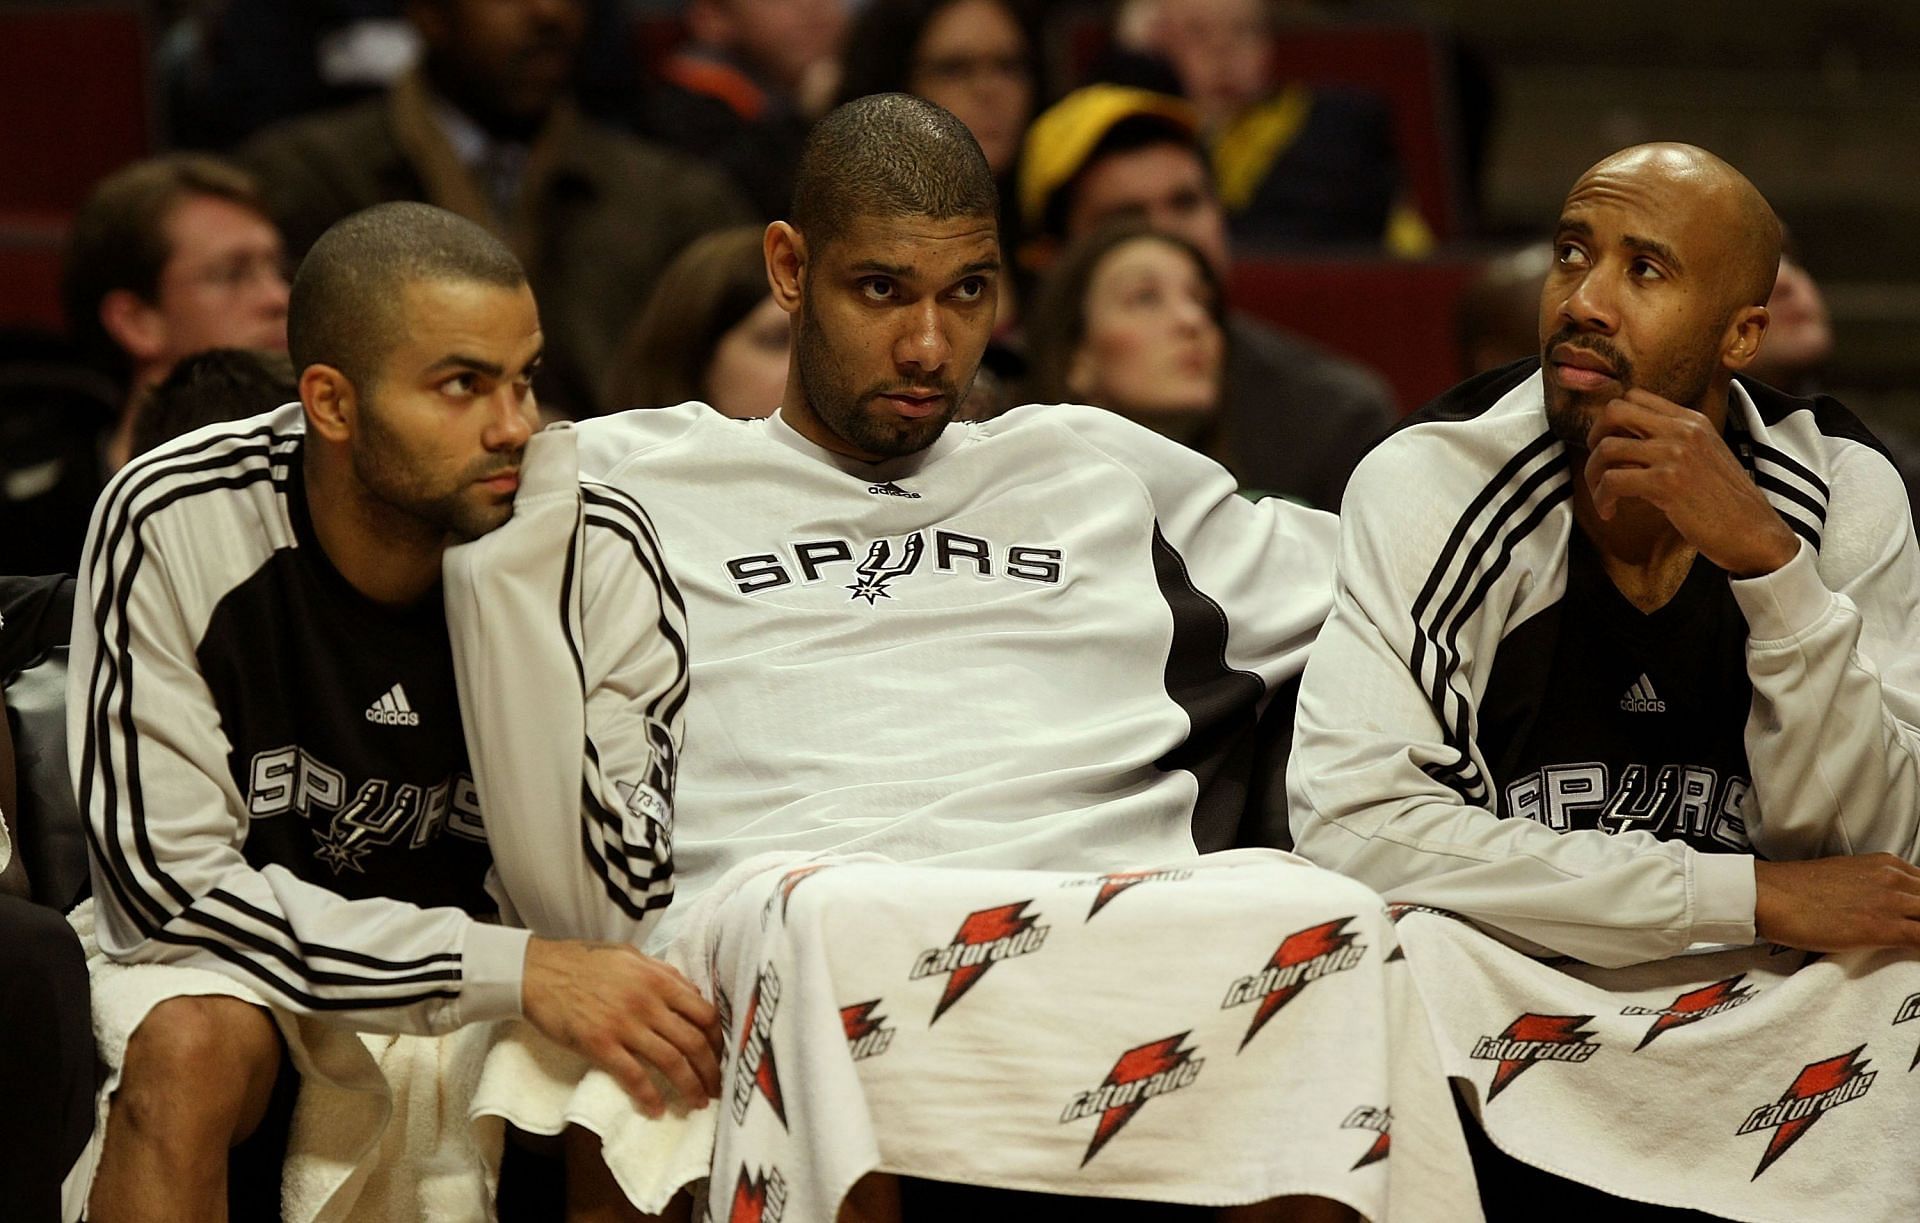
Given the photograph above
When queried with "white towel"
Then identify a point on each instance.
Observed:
(380, 1130)
(1752, 1083)
(1220, 1031)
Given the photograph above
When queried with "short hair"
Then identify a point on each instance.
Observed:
(344, 308)
(704, 293)
(119, 238)
(1057, 324)
(888, 155)
(212, 386)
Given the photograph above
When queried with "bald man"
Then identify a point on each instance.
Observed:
(1621, 658)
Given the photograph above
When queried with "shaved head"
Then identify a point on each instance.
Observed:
(1664, 257)
(1747, 257)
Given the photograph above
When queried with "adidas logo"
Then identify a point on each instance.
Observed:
(1641, 698)
(889, 489)
(392, 709)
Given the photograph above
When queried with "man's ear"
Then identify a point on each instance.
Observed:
(1744, 334)
(786, 254)
(331, 403)
(136, 325)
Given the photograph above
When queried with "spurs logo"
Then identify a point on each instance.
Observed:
(880, 567)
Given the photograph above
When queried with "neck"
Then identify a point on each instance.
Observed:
(476, 106)
(802, 419)
(386, 555)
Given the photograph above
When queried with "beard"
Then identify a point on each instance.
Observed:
(843, 408)
(1570, 414)
(455, 506)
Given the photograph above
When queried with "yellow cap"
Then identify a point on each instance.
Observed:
(1060, 140)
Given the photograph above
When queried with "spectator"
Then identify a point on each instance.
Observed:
(55, 413)
(1300, 417)
(1498, 319)
(975, 58)
(1129, 320)
(485, 127)
(47, 1059)
(712, 332)
(1298, 165)
(1799, 332)
(743, 91)
(212, 386)
(1797, 352)
(170, 257)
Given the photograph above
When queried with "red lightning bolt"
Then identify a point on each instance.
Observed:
(858, 1019)
(1298, 948)
(1559, 1029)
(1375, 1153)
(791, 880)
(1692, 1007)
(982, 927)
(749, 1199)
(765, 1076)
(1154, 1057)
(1811, 1081)
(1113, 885)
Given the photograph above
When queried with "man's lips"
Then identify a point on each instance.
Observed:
(503, 481)
(916, 404)
(1580, 369)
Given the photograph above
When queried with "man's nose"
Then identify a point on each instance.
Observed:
(510, 420)
(1589, 305)
(924, 345)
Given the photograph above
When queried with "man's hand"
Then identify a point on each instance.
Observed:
(1671, 457)
(1836, 904)
(623, 1012)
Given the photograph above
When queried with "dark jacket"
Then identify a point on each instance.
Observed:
(600, 213)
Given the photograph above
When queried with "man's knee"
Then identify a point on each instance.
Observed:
(204, 1061)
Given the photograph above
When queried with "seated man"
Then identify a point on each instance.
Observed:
(1031, 647)
(1621, 662)
(267, 741)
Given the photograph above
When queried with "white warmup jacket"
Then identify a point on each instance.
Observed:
(1030, 645)
(1455, 534)
(246, 732)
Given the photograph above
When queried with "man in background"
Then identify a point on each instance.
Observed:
(170, 257)
(485, 127)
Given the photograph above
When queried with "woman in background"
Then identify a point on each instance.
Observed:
(1129, 320)
(710, 332)
(976, 58)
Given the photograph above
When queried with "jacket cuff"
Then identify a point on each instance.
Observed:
(492, 960)
(1787, 602)
(1723, 898)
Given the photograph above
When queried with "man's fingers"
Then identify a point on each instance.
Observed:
(630, 1074)
(665, 1057)
(693, 1043)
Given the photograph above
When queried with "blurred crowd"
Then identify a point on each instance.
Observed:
(631, 152)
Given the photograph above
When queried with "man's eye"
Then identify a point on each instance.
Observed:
(970, 289)
(1569, 254)
(1643, 269)
(878, 288)
(460, 385)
